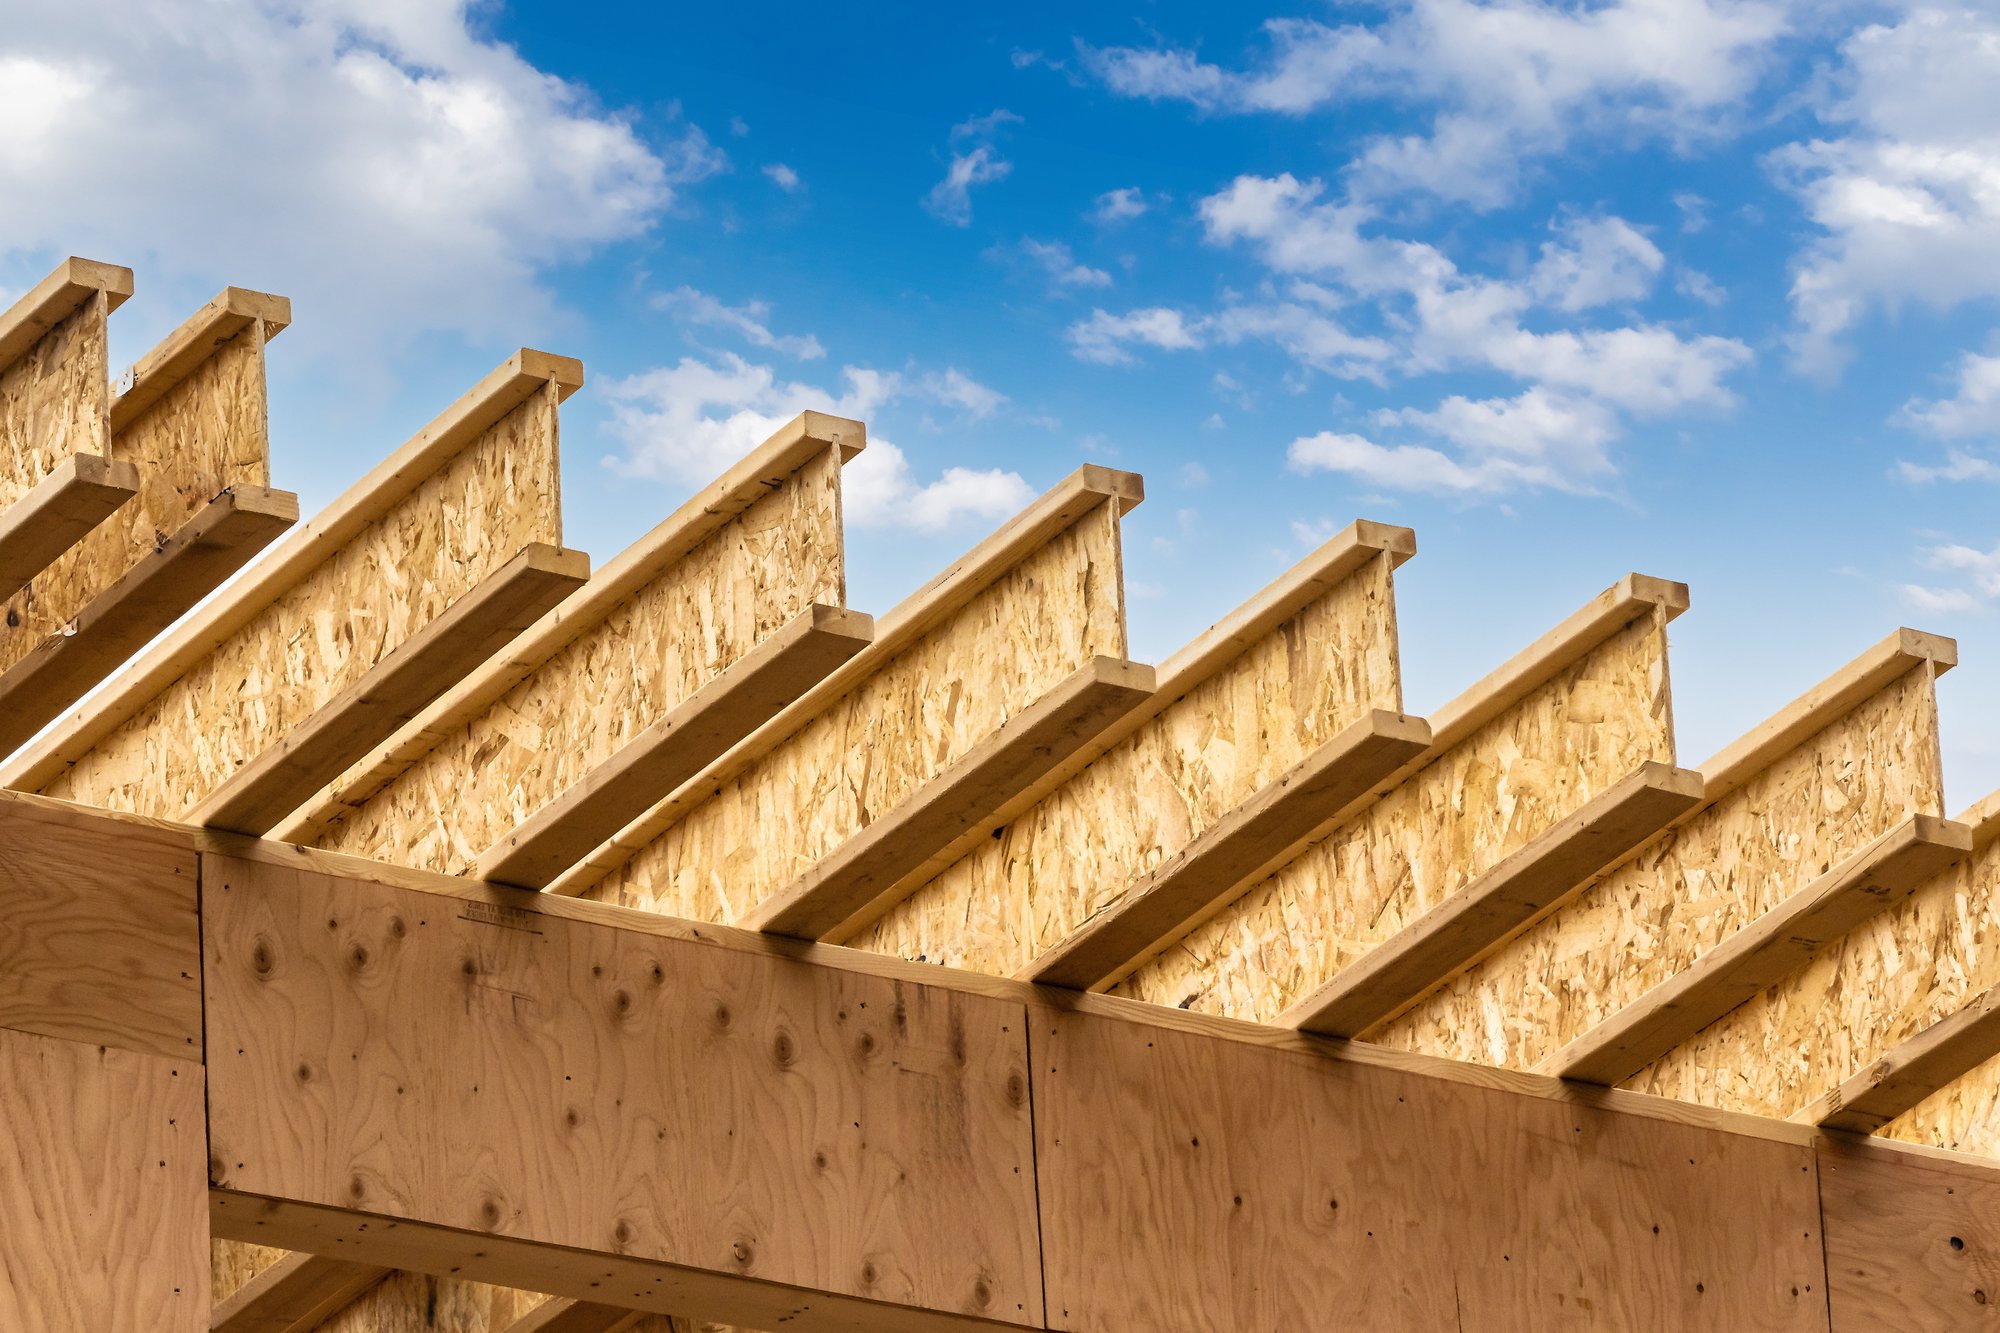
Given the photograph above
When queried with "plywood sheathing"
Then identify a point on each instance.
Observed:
(1765, 833)
(649, 652)
(1217, 734)
(55, 372)
(899, 719)
(1526, 755)
(213, 695)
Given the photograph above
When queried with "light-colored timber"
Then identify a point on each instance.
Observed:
(1776, 943)
(293, 1295)
(81, 492)
(1510, 897)
(1316, 794)
(564, 1316)
(150, 378)
(1913, 1070)
(272, 785)
(69, 286)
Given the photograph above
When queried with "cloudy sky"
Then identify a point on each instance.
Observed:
(1708, 289)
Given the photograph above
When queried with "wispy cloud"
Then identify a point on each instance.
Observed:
(747, 321)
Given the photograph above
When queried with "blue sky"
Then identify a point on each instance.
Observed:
(1703, 288)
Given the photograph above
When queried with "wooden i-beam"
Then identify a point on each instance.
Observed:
(293, 1295)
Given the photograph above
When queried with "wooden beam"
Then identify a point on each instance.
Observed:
(683, 742)
(57, 297)
(1239, 849)
(988, 785)
(1912, 1070)
(294, 1295)
(276, 782)
(82, 492)
(1769, 948)
(1513, 895)
(219, 540)
(183, 351)
(558, 1315)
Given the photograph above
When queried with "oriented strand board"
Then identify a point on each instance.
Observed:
(54, 399)
(1964, 1116)
(231, 1264)
(423, 1303)
(674, 635)
(103, 1210)
(895, 730)
(1825, 799)
(207, 433)
(755, 1129)
(1481, 800)
(1191, 1184)
(1085, 844)
(463, 522)
(1909, 1244)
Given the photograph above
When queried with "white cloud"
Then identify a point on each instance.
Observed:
(1958, 466)
(1973, 410)
(1115, 206)
(1505, 79)
(950, 200)
(1104, 336)
(1308, 336)
(688, 422)
(747, 321)
(783, 177)
(389, 167)
(1404, 467)
(1593, 262)
(1536, 439)
(984, 127)
(1939, 601)
(1980, 571)
(1059, 262)
(1908, 199)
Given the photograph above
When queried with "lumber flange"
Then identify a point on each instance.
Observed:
(1001, 775)
(718, 715)
(55, 298)
(220, 539)
(1925, 1063)
(1266, 830)
(566, 1316)
(82, 492)
(195, 341)
(1484, 914)
(1776, 944)
(276, 782)
(294, 1295)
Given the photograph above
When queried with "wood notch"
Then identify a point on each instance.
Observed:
(1784, 939)
(294, 1295)
(686, 740)
(1241, 847)
(57, 511)
(566, 1316)
(1513, 895)
(219, 540)
(281, 778)
(1913, 1070)
(983, 789)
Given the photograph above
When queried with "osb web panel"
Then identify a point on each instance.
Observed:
(1964, 1115)
(878, 744)
(1653, 916)
(208, 433)
(398, 574)
(654, 650)
(55, 400)
(1482, 800)
(1146, 799)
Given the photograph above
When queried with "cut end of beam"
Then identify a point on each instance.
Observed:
(57, 297)
(1496, 906)
(262, 792)
(198, 338)
(882, 863)
(677, 746)
(565, 371)
(1250, 841)
(58, 512)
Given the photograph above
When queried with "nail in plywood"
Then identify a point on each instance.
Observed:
(1513, 895)
(949, 665)
(1240, 848)
(1236, 708)
(653, 627)
(293, 1295)
(1191, 1185)
(197, 428)
(103, 1217)
(220, 539)
(1776, 944)
(1785, 816)
(55, 513)
(973, 795)
(275, 782)
(748, 1125)
(55, 373)
(1909, 1244)
(309, 620)
(1567, 718)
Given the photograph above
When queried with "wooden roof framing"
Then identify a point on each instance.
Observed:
(808, 1024)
